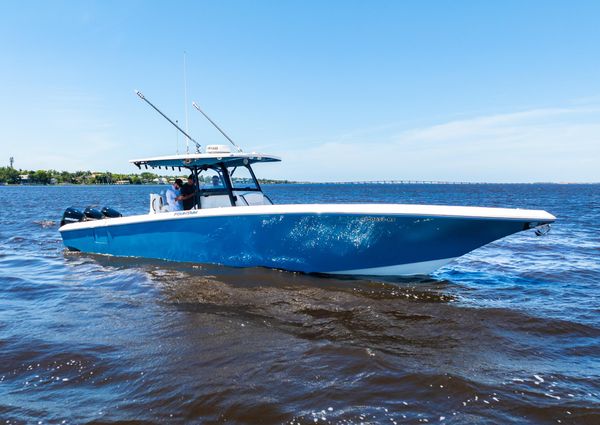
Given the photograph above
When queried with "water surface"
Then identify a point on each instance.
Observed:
(507, 334)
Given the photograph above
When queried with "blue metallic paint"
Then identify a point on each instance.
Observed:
(298, 242)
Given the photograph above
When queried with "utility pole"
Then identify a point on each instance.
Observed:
(12, 160)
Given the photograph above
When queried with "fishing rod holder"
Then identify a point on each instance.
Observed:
(141, 96)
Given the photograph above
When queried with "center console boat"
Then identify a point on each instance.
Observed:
(234, 223)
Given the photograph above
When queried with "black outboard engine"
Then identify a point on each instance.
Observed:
(71, 215)
(111, 213)
(92, 214)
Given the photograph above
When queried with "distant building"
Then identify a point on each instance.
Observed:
(122, 182)
(24, 178)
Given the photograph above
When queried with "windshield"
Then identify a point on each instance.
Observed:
(242, 179)
(211, 179)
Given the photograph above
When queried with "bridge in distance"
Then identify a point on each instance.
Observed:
(400, 182)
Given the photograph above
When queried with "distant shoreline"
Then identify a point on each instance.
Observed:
(366, 183)
(14, 177)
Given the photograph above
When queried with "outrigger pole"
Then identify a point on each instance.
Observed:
(141, 96)
(195, 105)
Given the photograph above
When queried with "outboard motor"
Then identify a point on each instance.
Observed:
(71, 215)
(92, 214)
(111, 213)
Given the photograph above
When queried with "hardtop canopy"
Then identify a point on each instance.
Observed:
(205, 159)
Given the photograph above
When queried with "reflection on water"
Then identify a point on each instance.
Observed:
(508, 334)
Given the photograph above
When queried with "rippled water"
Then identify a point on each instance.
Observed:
(507, 334)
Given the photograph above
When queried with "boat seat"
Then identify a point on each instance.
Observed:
(157, 204)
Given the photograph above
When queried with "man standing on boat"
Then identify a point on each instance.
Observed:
(172, 196)
(188, 193)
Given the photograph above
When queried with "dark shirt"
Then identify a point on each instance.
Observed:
(188, 189)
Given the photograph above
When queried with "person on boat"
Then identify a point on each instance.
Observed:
(172, 196)
(216, 181)
(188, 193)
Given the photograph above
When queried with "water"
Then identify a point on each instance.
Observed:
(507, 334)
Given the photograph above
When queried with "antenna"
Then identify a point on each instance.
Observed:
(187, 141)
(12, 160)
(177, 139)
(141, 96)
(195, 105)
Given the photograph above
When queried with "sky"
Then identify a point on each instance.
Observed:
(505, 91)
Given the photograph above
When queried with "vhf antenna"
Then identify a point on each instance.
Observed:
(187, 142)
(141, 96)
(195, 105)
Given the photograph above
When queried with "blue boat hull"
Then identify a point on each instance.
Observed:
(304, 242)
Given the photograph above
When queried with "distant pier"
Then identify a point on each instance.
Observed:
(400, 182)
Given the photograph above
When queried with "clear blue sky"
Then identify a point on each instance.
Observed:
(452, 90)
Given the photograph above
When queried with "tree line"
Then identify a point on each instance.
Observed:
(10, 175)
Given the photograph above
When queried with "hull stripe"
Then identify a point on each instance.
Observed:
(412, 269)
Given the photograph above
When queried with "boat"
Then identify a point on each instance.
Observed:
(234, 223)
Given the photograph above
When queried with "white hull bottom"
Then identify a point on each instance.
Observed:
(411, 269)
